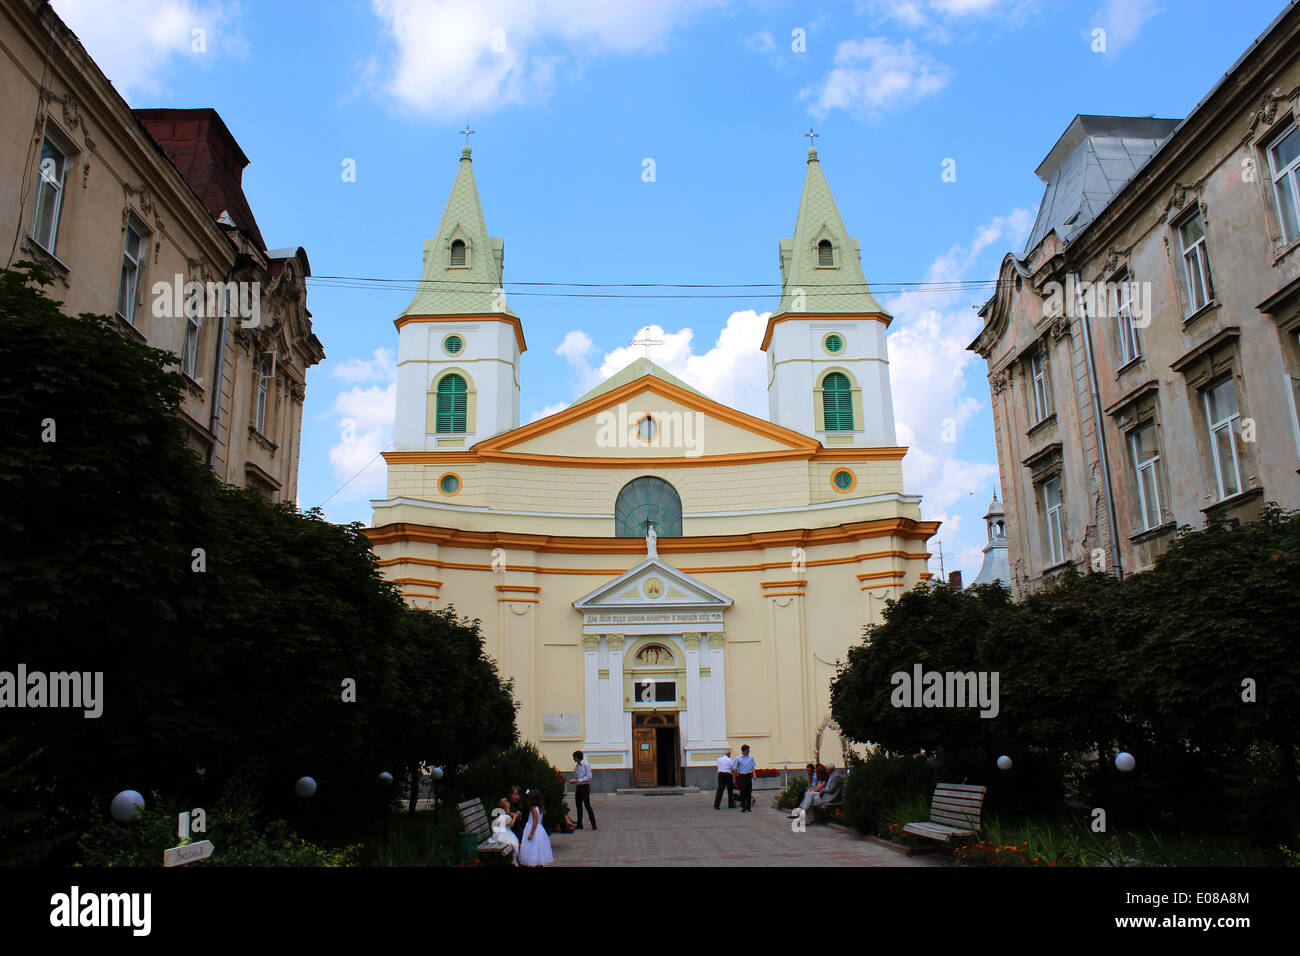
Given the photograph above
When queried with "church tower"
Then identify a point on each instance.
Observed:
(458, 342)
(828, 367)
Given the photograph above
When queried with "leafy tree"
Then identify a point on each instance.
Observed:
(236, 637)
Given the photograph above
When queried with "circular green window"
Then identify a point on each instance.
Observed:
(834, 343)
(453, 344)
(844, 480)
(449, 484)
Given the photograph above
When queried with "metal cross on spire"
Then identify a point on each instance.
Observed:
(647, 342)
(811, 136)
(467, 132)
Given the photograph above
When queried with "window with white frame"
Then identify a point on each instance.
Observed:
(49, 194)
(1293, 385)
(1223, 420)
(190, 352)
(129, 280)
(1196, 263)
(1130, 339)
(1146, 464)
(1042, 390)
(1054, 518)
(1284, 167)
(265, 376)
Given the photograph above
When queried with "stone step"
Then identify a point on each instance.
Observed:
(658, 791)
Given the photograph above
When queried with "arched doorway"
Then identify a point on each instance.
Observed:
(656, 678)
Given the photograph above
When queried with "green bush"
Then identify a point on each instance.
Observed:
(239, 838)
(793, 793)
(882, 782)
(491, 776)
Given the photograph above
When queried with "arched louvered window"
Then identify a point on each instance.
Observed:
(837, 402)
(644, 501)
(825, 255)
(451, 404)
(458, 252)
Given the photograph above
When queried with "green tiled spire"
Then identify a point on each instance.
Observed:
(449, 290)
(840, 288)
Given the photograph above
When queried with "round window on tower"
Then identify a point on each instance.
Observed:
(449, 484)
(833, 343)
(453, 344)
(647, 428)
(843, 480)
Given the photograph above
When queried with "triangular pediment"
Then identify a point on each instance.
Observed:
(688, 425)
(653, 586)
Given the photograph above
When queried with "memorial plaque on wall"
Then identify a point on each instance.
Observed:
(561, 725)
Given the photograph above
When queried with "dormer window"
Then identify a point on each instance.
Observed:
(458, 254)
(825, 254)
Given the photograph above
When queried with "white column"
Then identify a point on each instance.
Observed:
(592, 719)
(718, 680)
(619, 733)
(696, 706)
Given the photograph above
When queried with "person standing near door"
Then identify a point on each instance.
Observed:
(582, 781)
(744, 767)
(724, 782)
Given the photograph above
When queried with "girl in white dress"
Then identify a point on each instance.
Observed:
(535, 847)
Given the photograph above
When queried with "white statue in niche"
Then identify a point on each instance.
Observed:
(651, 539)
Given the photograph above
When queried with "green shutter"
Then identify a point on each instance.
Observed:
(837, 403)
(450, 416)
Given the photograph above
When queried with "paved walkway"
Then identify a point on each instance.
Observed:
(685, 830)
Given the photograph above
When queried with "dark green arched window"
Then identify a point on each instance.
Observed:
(837, 402)
(451, 404)
(644, 501)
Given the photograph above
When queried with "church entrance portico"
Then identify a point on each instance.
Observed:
(654, 677)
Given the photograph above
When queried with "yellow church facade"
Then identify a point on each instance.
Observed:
(662, 576)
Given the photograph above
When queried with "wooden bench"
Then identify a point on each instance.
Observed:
(954, 811)
(473, 816)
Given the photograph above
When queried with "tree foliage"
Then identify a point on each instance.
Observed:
(224, 625)
(1162, 665)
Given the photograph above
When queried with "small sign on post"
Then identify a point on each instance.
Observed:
(189, 853)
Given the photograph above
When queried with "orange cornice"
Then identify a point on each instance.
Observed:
(904, 528)
(842, 316)
(629, 391)
(477, 454)
(615, 572)
(512, 320)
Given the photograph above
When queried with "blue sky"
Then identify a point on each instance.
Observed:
(570, 97)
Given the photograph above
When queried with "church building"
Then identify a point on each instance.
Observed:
(663, 576)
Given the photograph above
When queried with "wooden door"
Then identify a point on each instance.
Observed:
(644, 757)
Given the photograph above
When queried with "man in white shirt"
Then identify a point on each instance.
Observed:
(724, 782)
(744, 768)
(582, 794)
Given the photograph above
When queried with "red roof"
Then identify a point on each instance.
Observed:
(206, 154)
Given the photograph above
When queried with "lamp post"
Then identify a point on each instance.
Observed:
(436, 774)
(385, 781)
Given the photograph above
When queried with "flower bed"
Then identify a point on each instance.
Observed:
(989, 853)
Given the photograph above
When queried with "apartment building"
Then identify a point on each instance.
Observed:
(1144, 349)
(140, 214)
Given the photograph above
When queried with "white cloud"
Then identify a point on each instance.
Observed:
(873, 76)
(139, 43)
(458, 56)
(364, 416)
(1123, 21)
(548, 411)
(380, 367)
(761, 42)
(934, 399)
(730, 372)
